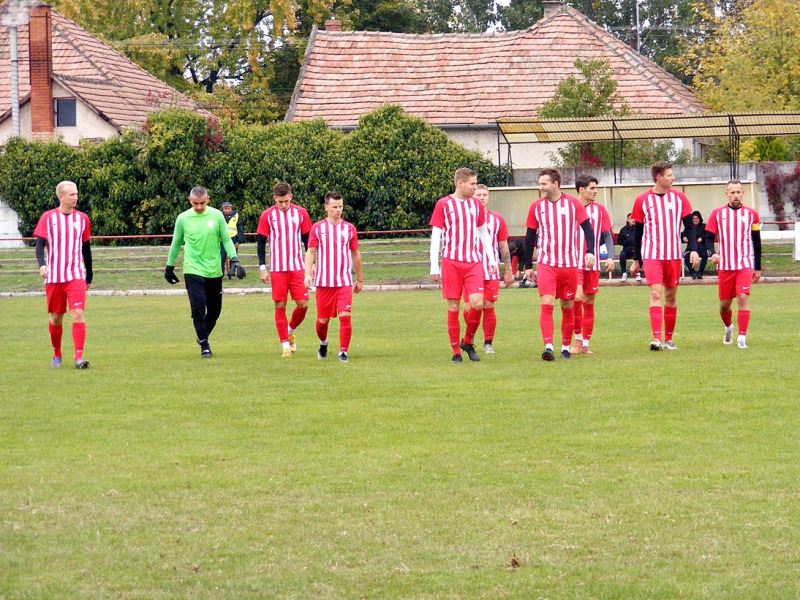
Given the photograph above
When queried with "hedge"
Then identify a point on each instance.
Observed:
(391, 170)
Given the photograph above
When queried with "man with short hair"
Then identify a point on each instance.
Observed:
(589, 277)
(202, 228)
(459, 225)
(66, 268)
(333, 246)
(498, 233)
(553, 225)
(658, 214)
(738, 261)
(235, 230)
(626, 238)
(287, 226)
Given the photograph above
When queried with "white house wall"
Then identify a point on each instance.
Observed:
(524, 156)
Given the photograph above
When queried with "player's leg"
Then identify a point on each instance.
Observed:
(344, 303)
(671, 279)
(577, 315)
(196, 290)
(280, 293)
(587, 326)
(490, 294)
(213, 302)
(653, 273)
(299, 294)
(566, 288)
(744, 278)
(726, 287)
(547, 299)
(56, 308)
(452, 287)
(326, 307)
(474, 286)
(76, 303)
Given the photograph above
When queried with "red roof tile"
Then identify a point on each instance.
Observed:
(116, 88)
(472, 78)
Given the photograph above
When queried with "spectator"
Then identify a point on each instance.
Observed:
(703, 245)
(625, 238)
(235, 230)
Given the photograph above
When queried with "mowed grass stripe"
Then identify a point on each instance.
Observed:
(630, 474)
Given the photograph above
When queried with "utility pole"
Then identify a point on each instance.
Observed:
(15, 14)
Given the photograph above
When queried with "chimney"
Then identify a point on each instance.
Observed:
(333, 25)
(552, 8)
(40, 47)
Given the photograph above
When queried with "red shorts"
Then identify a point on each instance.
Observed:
(333, 300)
(458, 276)
(560, 282)
(491, 291)
(589, 281)
(62, 295)
(662, 272)
(286, 282)
(733, 283)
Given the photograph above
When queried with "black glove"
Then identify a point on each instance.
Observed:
(169, 275)
(236, 269)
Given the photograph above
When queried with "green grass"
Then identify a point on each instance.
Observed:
(631, 474)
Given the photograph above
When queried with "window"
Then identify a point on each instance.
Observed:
(66, 112)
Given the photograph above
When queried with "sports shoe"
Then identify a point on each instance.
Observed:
(342, 356)
(548, 355)
(470, 350)
(205, 352)
(655, 345)
(576, 347)
(566, 354)
(56, 361)
(287, 352)
(624, 278)
(670, 345)
(292, 343)
(741, 341)
(585, 350)
(487, 349)
(638, 277)
(322, 353)
(456, 358)
(82, 363)
(728, 337)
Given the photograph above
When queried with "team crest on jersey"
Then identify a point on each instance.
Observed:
(77, 225)
(669, 204)
(563, 210)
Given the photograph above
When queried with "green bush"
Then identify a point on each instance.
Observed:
(390, 170)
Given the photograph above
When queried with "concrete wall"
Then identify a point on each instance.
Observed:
(524, 156)
(9, 227)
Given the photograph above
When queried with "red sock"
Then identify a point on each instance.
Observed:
(655, 322)
(727, 317)
(588, 321)
(454, 330)
(298, 316)
(322, 330)
(743, 319)
(466, 315)
(567, 325)
(546, 323)
(345, 333)
(55, 338)
(489, 324)
(670, 316)
(473, 321)
(281, 325)
(577, 315)
(78, 338)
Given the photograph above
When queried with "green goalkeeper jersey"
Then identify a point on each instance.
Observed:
(201, 234)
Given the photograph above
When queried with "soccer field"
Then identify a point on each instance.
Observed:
(630, 474)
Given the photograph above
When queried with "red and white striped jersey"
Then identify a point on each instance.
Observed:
(662, 216)
(65, 235)
(459, 221)
(334, 244)
(558, 223)
(600, 221)
(498, 232)
(285, 230)
(733, 228)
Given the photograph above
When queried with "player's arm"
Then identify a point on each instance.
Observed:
(359, 283)
(174, 249)
(41, 243)
(755, 235)
(531, 238)
(608, 240)
(588, 235)
(311, 255)
(486, 241)
(505, 256)
(261, 251)
(436, 242)
(86, 251)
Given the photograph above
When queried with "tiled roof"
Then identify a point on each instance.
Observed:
(116, 88)
(472, 78)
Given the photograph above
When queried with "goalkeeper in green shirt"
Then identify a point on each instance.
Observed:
(200, 230)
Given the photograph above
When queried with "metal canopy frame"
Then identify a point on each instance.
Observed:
(733, 126)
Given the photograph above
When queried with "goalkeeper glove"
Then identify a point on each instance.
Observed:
(236, 269)
(169, 275)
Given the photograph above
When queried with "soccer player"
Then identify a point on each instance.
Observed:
(658, 214)
(459, 221)
(498, 233)
(63, 233)
(552, 226)
(589, 278)
(738, 261)
(333, 245)
(202, 228)
(286, 225)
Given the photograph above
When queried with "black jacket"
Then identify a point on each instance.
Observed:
(625, 237)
